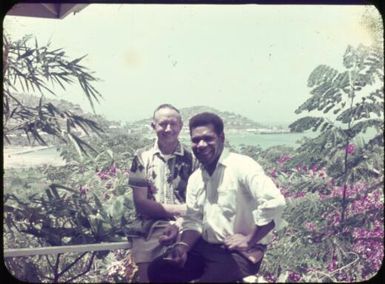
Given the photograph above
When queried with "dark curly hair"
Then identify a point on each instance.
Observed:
(205, 118)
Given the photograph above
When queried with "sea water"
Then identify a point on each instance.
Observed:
(52, 157)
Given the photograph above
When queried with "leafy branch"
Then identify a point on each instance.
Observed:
(354, 110)
(30, 68)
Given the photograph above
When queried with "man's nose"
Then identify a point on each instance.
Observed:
(168, 128)
(202, 143)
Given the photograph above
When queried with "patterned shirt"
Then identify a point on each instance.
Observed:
(165, 176)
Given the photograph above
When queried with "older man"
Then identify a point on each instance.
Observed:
(158, 177)
(232, 206)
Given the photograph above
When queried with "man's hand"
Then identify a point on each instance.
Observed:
(178, 254)
(241, 243)
(237, 242)
(169, 236)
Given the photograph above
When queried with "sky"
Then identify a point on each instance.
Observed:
(253, 60)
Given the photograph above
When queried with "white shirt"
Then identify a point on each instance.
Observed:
(237, 197)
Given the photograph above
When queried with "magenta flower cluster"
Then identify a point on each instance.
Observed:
(294, 276)
(350, 149)
(83, 190)
(367, 240)
(107, 174)
(283, 159)
(108, 177)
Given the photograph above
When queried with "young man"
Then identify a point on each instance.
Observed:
(158, 178)
(231, 208)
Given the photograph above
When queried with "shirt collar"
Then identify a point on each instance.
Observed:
(223, 160)
(178, 151)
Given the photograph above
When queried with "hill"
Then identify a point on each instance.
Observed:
(233, 122)
(230, 119)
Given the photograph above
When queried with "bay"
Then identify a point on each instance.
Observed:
(268, 140)
(265, 140)
(24, 157)
(20, 157)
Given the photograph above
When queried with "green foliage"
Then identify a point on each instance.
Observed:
(31, 68)
(355, 107)
(85, 201)
(312, 247)
(26, 226)
(267, 158)
(333, 182)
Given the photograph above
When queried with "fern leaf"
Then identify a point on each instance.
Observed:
(305, 123)
(321, 74)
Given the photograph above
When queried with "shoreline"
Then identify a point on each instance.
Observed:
(16, 150)
(31, 156)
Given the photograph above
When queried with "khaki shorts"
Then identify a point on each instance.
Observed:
(146, 249)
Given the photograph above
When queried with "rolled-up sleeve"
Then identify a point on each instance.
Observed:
(193, 220)
(270, 202)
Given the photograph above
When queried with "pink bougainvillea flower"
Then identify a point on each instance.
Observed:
(112, 170)
(284, 158)
(310, 226)
(333, 264)
(294, 276)
(350, 148)
(299, 194)
(83, 189)
(103, 175)
(285, 192)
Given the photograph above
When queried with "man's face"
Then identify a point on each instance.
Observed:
(207, 145)
(167, 125)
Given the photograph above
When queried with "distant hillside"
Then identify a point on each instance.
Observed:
(18, 137)
(62, 104)
(231, 120)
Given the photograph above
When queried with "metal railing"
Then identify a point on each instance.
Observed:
(20, 252)
(64, 249)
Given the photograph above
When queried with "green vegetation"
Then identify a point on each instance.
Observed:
(28, 67)
(332, 183)
(86, 201)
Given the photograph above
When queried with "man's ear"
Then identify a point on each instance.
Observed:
(153, 125)
(222, 137)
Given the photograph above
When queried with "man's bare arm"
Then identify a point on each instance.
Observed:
(153, 209)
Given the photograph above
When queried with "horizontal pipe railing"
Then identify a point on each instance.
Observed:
(19, 252)
(64, 249)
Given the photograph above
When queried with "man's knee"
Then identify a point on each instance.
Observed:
(163, 270)
(143, 272)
